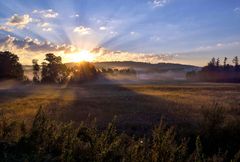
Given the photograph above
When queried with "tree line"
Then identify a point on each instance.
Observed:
(52, 70)
(114, 71)
(217, 72)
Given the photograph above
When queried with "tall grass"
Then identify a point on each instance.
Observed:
(49, 140)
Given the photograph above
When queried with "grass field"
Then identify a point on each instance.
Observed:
(137, 106)
(202, 122)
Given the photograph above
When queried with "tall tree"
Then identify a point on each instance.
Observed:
(235, 61)
(36, 69)
(225, 62)
(54, 71)
(218, 62)
(10, 68)
(212, 63)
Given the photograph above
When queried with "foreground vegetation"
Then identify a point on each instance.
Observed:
(49, 140)
(191, 127)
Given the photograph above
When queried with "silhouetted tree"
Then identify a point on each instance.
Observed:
(54, 71)
(83, 71)
(212, 63)
(235, 61)
(225, 62)
(10, 68)
(36, 69)
(214, 72)
(218, 62)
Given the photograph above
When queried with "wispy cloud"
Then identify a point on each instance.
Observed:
(159, 3)
(133, 33)
(102, 28)
(82, 30)
(218, 46)
(50, 13)
(103, 54)
(74, 16)
(18, 21)
(237, 10)
(5, 28)
(48, 29)
(45, 26)
(155, 38)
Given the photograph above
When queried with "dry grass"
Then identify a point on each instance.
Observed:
(134, 105)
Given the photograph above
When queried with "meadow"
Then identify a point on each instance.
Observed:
(134, 105)
(188, 110)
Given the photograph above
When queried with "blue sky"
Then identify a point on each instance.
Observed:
(180, 31)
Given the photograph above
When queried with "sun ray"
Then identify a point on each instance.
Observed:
(83, 55)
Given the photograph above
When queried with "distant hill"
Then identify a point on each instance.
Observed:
(147, 67)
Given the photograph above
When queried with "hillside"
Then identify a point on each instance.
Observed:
(160, 67)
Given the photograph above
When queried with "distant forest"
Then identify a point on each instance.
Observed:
(217, 72)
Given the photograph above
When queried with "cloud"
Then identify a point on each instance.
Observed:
(45, 26)
(132, 33)
(237, 10)
(82, 30)
(103, 28)
(74, 16)
(218, 46)
(103, 54)
(159, 3)
(46, 13)
(19, 21)
(155, 38)
(33, 45)
(113, 33)
(5, 28)
(47, 29)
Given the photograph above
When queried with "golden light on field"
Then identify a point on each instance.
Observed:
(84, 55)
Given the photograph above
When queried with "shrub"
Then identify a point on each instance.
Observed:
(49, 140)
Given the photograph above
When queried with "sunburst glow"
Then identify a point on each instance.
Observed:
(84, 55)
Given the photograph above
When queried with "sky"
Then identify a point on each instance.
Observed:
(176, 31)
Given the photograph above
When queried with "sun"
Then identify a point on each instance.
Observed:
(84, 55)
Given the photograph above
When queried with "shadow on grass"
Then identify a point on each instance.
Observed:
(136, 113)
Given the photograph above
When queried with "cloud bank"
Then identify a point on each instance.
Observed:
(103, 54)
(33, 45)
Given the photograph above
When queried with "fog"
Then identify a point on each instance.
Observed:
(8, 84)
(142, 75)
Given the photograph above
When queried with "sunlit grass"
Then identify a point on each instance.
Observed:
(127, 101)
(24, 106)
